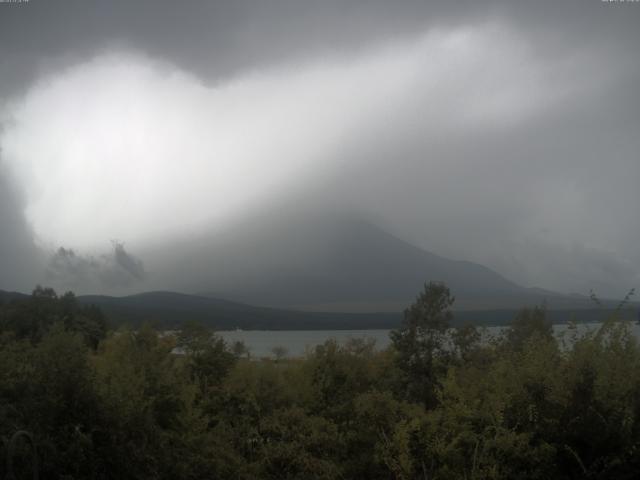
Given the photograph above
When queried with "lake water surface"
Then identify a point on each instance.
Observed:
(297, 342)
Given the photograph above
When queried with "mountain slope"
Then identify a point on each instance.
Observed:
(170, 309)
(323, 263)
(9, 296)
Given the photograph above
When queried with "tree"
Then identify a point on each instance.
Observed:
(465, 340)
(527, 324)
(207, 356)
(32, 318)
(279, 352)
(240, 349)
(421, 339)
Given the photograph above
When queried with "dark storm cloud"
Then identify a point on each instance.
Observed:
(213, 39)
(217, 39)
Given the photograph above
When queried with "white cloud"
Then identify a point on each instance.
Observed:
(122, 146)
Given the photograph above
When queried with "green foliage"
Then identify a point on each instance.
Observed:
(420, 342)
(527, 324)
(296, 445)
(33, 318)
(439, 403)
(207, 357)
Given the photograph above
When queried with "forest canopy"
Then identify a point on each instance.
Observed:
(440, 402)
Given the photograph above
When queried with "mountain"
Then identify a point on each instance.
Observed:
(170, 309)
(340, 264)
(9, 296)
(315, 271)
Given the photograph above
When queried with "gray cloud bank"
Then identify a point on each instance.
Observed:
(20, 260)
(500, 132)
(110, 271)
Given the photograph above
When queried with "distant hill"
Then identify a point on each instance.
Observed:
(319, 272)
(169, 310)
(8, 296)
(323, 263)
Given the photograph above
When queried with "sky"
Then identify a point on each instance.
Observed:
(504, 133)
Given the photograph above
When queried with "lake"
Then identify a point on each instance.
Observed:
(297, 342)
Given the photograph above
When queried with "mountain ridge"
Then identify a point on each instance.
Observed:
(339, 264)
(169, 310)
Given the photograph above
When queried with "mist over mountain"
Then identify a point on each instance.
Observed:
(502, 133)
(325, 262)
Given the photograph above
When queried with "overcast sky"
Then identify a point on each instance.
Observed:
(504, 133)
